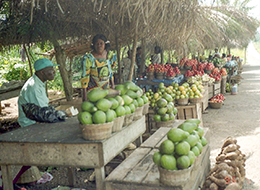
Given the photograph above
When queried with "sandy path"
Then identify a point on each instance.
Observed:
(240, 118)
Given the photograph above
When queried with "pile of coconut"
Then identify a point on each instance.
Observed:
(229, 171)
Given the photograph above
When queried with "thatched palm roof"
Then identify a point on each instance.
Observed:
(181, 25)
(175, 24)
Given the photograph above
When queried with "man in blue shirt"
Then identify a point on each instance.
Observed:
(34, 91)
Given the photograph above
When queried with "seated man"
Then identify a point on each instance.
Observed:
(34, 90)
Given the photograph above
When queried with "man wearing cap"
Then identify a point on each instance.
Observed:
(34, 91)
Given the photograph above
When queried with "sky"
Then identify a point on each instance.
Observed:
(256, 11)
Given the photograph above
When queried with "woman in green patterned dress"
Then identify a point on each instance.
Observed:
(96, 66)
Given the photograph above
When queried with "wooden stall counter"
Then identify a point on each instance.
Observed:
(62, 144)
(138, 171)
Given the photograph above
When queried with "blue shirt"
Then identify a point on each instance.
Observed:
(33, 91)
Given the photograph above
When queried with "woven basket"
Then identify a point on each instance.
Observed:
(150, 75)
(164, 123)
(138, 113)
(160, 76)
(97, 131)
(118, 124)
(174, 177)
(183, 102)
(146, 108)
(128, 119)
(215, 105)
(169, 78)
(196, 100)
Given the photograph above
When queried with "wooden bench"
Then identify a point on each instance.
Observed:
(138, 171)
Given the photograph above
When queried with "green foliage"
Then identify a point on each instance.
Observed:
(11, 66)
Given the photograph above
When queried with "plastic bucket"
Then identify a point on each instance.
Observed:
(234, 89)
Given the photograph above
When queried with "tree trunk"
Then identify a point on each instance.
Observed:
(133, 56)
(118, 48)
(65, 75)
(142, 69)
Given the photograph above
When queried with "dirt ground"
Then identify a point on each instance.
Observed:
(239, 118)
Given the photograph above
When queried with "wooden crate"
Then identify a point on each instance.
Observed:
(138, 171)
(216, 88)
(210, 91)
(193, 110)
(223, 85)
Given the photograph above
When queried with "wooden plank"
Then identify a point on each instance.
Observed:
(113, 146)
(141, 170)
(126, 166)
(190, 113)
(155, 138)
(51, 154)
(10, 94)
(180, 113)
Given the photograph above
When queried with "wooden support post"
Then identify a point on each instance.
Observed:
(100, 178)
(30, 65)
(118, 60)
(142, 69)
(130, 77)
(7, 177)
(71, 176)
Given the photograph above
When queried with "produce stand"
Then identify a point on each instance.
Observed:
(153, 83)
(192, 110)
(62, 144)
(139, 172)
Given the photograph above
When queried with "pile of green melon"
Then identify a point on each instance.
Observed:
(102, 107)
(182, 146)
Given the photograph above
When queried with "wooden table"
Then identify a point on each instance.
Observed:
(61, 144)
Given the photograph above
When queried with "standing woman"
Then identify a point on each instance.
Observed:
(96, 66)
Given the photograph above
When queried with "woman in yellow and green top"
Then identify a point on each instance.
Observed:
(96, 67)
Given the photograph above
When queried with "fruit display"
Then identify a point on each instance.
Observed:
(223, 72)
(170, 72)
(229, 170)
(176, 91)
(217, 99)
(150, 68)
(228, 87)
(188, 62)
(218, 62)
(159, 68)
(181, 147)
(162, 102)
(209, 66)
(215, 71)
(176, 70)
(103, 107)
(216, 77)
